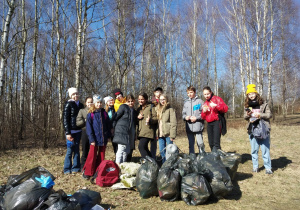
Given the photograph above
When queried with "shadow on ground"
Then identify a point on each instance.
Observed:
(236, 192)
(280, 163)
(245, 158)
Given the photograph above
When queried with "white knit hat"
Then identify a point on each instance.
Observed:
(96, 98)
(107, 98)
(72, 90)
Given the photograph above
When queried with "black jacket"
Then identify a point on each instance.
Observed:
(69, 116)
(122, 124)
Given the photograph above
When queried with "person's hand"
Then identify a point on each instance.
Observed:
(187, 118)
(212, 105)
(249, 113)
(112, 131)
(257, 115)
(172, 139)
(148, 120)
(140, 116)
(205, 109)
(69, 137)
(193, 119)
(93, 143)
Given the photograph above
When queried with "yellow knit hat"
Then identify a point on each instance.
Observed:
(251, 89)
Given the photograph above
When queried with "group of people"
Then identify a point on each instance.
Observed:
(153, 120)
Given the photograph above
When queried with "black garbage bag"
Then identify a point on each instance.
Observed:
(195, 189)
(146, 177)
(171, 161)
(15, 180)
(59, 200)
(184, 165)
(218, 177)
(168, 184)
(2, 191)
(87, 198)
(181, 162)
(231, 161)
(27, 195)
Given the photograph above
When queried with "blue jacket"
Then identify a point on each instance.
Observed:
(98, 129)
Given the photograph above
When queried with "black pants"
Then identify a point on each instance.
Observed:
(129, 156)
(143, 147)
(85, 144)
(214, 134)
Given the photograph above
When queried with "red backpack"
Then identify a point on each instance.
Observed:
(107, 173)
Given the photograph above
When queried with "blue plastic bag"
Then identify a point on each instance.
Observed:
(47, 182)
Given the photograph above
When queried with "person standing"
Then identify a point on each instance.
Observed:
(130, 100)
(123, 125)
(98, 130)
(119, 98)
(194, 124)
(80, 122)
(155, 101)
(110, 109)
(72, 131)
(255, 110)
(147, 120)
(213, 107)
(167, 125)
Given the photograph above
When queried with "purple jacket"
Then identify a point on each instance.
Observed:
(98, 129)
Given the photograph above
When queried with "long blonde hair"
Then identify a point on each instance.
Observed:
(161, 108)
(93, 109)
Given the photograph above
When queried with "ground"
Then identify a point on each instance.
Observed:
(251, 191)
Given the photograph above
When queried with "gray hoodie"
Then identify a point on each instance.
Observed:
(193, 107)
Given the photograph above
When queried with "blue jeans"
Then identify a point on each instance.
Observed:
(68, 167)
(162, 143)
(265, 150)
(191, 138)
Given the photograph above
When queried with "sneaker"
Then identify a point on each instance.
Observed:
(269, 171)
(85, 176)
(255, 170)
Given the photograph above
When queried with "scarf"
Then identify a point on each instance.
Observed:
(254, 104)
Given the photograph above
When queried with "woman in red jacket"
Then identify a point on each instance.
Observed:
(212, 108)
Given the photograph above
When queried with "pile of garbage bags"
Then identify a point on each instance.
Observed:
(193, 178)
(33, 189)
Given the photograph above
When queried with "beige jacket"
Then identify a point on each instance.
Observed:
(265, 113)
(169, 122)
(81, 117)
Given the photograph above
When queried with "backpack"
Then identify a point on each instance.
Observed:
(106, 174)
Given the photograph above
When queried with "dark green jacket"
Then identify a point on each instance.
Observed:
(143, 130)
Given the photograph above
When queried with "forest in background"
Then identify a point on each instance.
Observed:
(136, 45)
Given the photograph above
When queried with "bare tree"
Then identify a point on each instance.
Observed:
(4, 41)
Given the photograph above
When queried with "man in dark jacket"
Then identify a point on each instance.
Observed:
(73, 132)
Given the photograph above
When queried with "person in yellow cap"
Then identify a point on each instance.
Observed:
(119, 98)
(255, 110)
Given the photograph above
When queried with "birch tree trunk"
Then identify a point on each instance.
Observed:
(144, 45)
(206, 43)
(283, 61)
(232, 79)
(78, 43)
(34, 64)
(4, 42)
(193, 70)
(270, 98)
(258, 70)
(23, 48)
(59, 70)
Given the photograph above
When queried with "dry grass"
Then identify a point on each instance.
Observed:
(251, 191)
